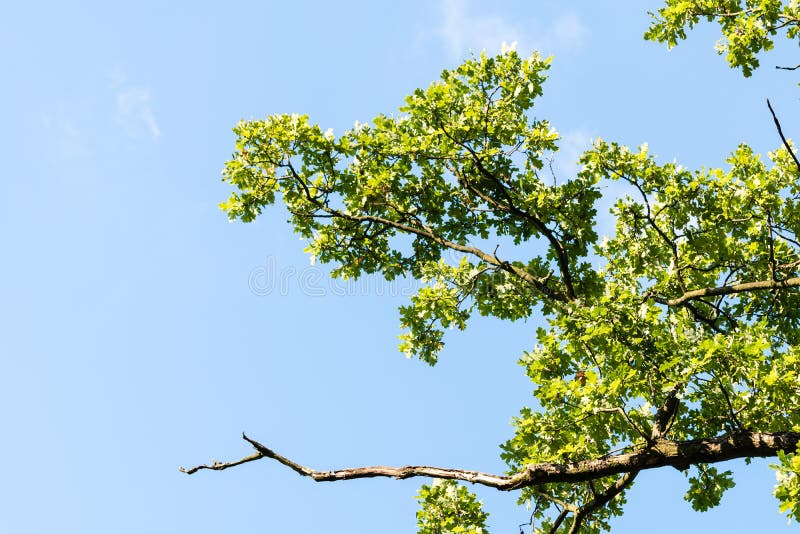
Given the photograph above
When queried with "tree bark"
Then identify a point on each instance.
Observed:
(662, 453)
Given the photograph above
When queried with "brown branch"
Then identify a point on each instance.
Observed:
(783, 138)
(558, 502)
(699, 316)
(771, 247)
(662, 453)
(426, 232)
(727, 397)
(560, 519)
(601, 500)
(723, 14)
(261, 452)
(789, 266)
(652, 221)
(729, 290)
(511, 207)
(720, 312)
(666, 414)
(624, 414)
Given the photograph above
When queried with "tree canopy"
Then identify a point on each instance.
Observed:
(748, 27)
(672, 343)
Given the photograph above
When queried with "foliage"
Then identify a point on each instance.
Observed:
(682, 326)
(706, 489)
(787, 491)
(748, 27)
(449, 508)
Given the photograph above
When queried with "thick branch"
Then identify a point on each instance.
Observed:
(666, 413)
(728, 290)
(678, 454)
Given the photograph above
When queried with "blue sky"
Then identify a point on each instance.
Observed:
(140, 331)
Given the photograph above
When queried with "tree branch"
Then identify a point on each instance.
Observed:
(261, 452)
(666, 414)
(662, 453)
(624, 414)
(728, 290)
(558, 521)
(601, 500)
(426, 232)
(783, 138)
(511, 207)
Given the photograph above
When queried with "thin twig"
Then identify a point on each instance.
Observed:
(783, 138)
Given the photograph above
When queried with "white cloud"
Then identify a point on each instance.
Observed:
(566, 34)
(134, 113)
(462, 32)
(572, 144)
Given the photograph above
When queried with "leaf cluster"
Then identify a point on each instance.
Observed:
(447, 507)
(748, 26)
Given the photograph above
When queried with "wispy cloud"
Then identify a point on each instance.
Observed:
(462, 31)
(134, 112)
(566, 34)
(572, 144)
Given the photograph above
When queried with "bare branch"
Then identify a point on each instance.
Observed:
(221, 466)
(783, 138)
(261, 452)
(662, 453)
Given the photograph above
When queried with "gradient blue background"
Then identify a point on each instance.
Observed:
(140, 332)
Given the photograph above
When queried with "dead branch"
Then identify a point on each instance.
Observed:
(677, 454)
